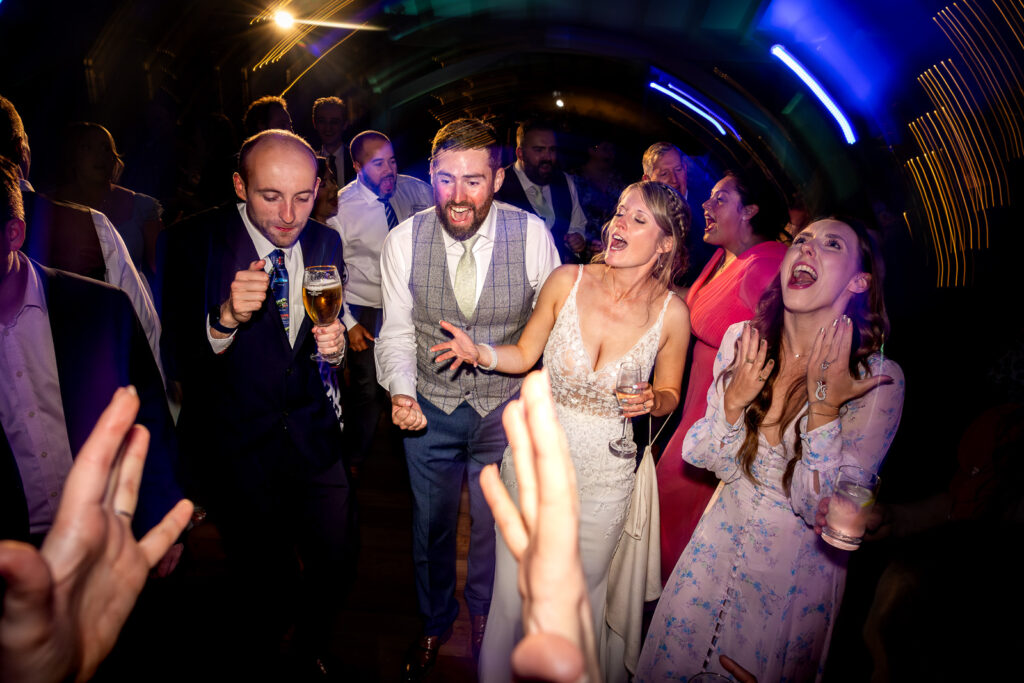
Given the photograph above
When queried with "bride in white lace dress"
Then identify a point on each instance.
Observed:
(588, 320)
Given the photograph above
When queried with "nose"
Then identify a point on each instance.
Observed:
(287, 212)
(393, 166)
(706, 205)
(459, 195)
(807, 247)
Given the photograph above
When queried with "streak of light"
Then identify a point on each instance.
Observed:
(689, 105)
(811, 82)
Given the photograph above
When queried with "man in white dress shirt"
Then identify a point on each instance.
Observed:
(330, 119)
(368, 208)
(534, 183)
(480, 265)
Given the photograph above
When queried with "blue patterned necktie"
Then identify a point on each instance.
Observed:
(389, 211)
(279, 284)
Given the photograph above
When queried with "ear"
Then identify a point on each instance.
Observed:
(14, 230)
(499, 178)
(645, 177)
(665, 244)
(239, 186)
(519, 153)
(357, 166)
(859, 283)
(750, 210)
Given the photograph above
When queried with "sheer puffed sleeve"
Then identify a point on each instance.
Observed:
(861, 436)
(712, 442)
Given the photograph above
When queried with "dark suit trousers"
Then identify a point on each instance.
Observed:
(364, 397)
(271, 521)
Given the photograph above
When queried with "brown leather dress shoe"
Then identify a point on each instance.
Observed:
(478, 624)
(421, 656)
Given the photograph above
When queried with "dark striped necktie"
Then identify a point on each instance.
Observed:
(279, 284)
(389, 212)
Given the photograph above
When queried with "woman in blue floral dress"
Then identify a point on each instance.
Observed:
(799, 391)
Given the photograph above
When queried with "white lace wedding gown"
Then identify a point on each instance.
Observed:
(589, 413)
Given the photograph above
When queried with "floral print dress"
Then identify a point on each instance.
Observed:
(755, 582)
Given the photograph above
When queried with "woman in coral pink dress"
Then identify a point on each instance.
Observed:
(743, 221)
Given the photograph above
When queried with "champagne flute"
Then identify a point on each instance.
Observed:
(321, 296)
(627, 386)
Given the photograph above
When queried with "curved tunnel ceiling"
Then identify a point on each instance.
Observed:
(915, 78)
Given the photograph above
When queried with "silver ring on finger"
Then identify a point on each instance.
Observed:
(825, 364)
(821, 392)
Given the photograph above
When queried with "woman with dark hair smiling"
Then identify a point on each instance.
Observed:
(743, 218)
(799, 391)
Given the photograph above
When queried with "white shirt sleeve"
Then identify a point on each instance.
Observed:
(121, 273)
(395, 348)
(541, 255)
(578, 220)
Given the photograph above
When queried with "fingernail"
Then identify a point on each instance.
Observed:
(835, 322)
(821, 331)
(846, 319)
(132, 390)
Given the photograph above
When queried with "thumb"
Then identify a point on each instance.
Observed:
(257, 265)
(869, 383)
(27, 596)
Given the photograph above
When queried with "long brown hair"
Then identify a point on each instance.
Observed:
(870, 327)
(672, 215)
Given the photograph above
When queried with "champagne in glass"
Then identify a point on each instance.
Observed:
(321, 296)
(627, 386)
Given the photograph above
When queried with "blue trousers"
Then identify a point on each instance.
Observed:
(438, 458)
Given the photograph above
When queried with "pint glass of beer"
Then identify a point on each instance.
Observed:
(321, 295)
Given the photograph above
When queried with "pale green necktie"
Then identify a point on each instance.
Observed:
(465, 278)
(541, 204)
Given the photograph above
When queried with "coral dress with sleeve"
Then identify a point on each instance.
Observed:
(755, 582)
(684, 490)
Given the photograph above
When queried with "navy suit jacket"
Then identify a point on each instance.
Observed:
(99, 346)
(512, 192)
(259, 409)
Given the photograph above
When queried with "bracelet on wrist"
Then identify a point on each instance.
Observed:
(834, 411)
(494, 359)
(216, 324)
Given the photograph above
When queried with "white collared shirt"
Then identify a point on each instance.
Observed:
(363, 226)
(30, 403)
(395, 350)
(578, 219)
(292, 262)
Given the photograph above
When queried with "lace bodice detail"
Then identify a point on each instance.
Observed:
(573, 383)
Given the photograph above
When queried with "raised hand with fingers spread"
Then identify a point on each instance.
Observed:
(543, 536)
(65, 604)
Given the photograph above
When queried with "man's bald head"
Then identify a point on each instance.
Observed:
(274, 138)
(13, 139)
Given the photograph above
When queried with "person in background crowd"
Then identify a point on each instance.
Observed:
(266, 113)
(368, 208)
(329, 120)
(742, 221)
(89, 172)
(536, 184)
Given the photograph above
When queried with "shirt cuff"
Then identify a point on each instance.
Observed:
(348, 320)
(721, 429)
(403, 385)
(218, 345)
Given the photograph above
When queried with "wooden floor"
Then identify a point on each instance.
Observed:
(172, 636)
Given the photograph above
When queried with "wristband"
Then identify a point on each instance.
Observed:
(494, 359)
(216, 324)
